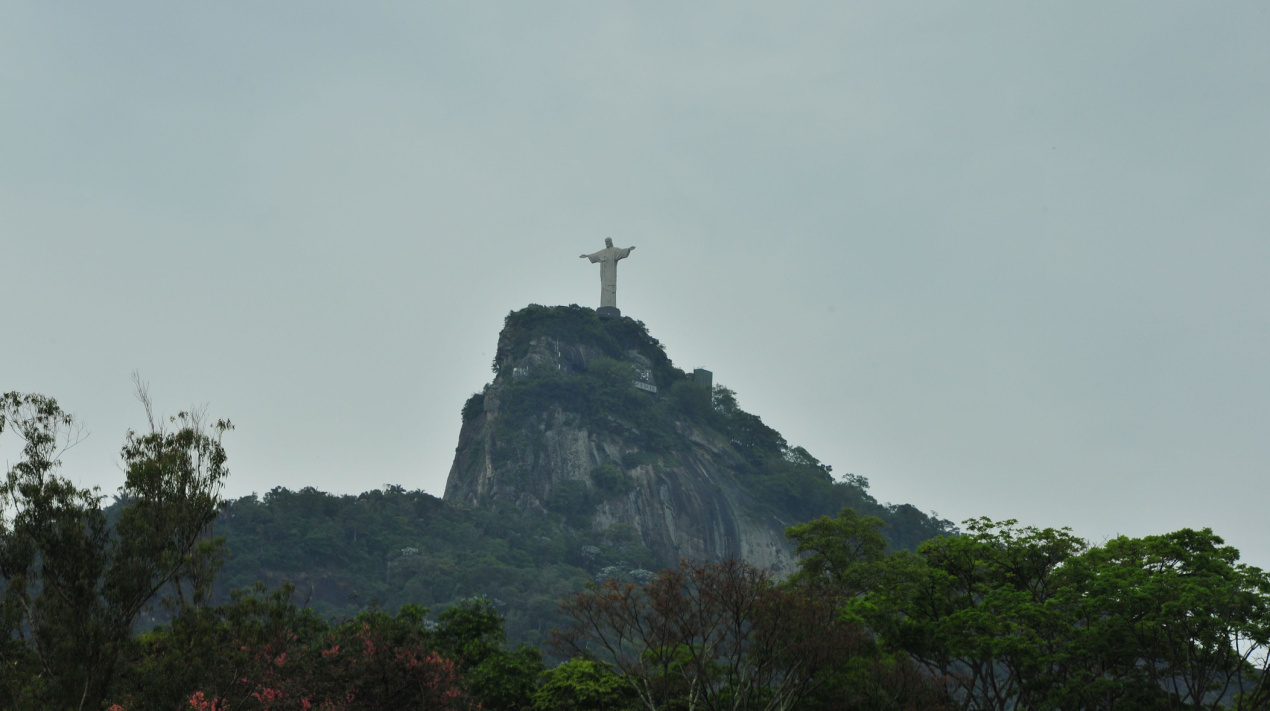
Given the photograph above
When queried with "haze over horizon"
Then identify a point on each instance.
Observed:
(1000, 259)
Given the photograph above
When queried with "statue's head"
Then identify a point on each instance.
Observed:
(608, 242)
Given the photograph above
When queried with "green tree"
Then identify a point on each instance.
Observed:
(1172, 618)
(582, 685)
(74, 588)
(471, 633)
(842, 552)
(692, 399)
(1020, 617)
(976, 611)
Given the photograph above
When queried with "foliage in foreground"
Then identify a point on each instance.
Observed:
(1001, 617)
(261, 651)
(720, 636)
(1008, 616)
(74, 586)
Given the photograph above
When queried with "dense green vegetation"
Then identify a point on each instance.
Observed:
(394, 547)
(75, 581)
(1001, 616)
(1008, 616)
(613, 338)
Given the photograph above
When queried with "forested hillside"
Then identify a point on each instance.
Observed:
(393, 547)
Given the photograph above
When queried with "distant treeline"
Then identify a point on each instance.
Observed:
(392, 547)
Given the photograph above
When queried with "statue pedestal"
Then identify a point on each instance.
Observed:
(608, 312)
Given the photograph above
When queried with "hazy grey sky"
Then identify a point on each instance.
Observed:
(1004, 259)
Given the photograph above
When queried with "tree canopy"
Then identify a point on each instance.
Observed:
(115, 607)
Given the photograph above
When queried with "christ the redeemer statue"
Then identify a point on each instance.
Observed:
(607, 258)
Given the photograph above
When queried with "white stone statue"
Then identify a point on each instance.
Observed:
(608, 258)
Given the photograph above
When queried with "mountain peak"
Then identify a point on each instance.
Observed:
(588, 419)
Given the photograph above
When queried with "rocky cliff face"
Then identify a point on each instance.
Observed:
(564, 429)
(587, 420)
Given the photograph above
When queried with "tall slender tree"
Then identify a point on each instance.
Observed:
(74, 585)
